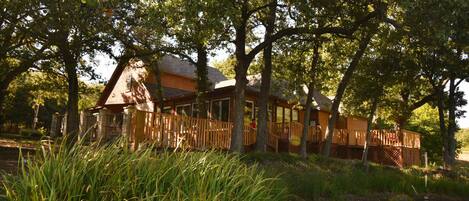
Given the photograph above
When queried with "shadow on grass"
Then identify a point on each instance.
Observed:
(318, 177)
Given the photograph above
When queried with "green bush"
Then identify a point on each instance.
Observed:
(32, 133)
(113, 173)
(463, 137)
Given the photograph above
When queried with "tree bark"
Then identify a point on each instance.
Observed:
(239, 103)
(374, 105)
(307, 115)
(341, 89)
(263, 98)
(242, 64)
(441, 117)
(309, 99)
(72, 103)
(202, 80)
(3, 92)
(452, 126)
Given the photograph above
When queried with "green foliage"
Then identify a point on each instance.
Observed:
(32, 133)
(463, 137)
(49, 91)
(113, 173)
(226, 67)
(425, 121)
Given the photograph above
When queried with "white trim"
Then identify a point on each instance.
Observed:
(183, 105)
(170, 108)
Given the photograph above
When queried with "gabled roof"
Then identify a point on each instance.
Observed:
(279, 89)
(168, 64)
(168, 92)
(174, 65)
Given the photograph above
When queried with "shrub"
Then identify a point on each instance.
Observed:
(463, 137)
(32, 133)
(113, 173)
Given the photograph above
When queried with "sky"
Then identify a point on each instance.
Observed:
(106, 67)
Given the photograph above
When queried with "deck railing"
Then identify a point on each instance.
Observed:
(378, 138)
(195, 133)
(180, 131)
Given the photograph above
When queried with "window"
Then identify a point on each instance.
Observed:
(184, 110)
(195, 109)
(220, 109)
(269, 112)
(295, 115)
(287, 115)
(248, 111)
(279, 114)
(129, 81)
(167, 110)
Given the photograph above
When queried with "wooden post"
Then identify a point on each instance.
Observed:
(54, 125)
(426, 169)
(129, 111)
(36, 113)
(64, 124)
(102, 120)
(139, 129)
(83, 127)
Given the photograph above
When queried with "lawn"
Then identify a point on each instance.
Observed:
(114, 173)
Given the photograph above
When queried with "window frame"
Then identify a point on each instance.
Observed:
(129, 83)
(220, 100)
(193, 105)
(252, 110)
(170, 109)
(297, 115)
(184, 105)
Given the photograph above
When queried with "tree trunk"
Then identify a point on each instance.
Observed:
(3, 91)
(242, 65)
(309, 99)
(307, 115)
(239, 103)
(441, 116)
(341, 89)
(263, 98)
(452, 126)
(159, 96)
(72, 104)
(202, 80)
(263, 101)
(368, 131)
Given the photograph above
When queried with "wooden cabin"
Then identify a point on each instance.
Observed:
(135, 85)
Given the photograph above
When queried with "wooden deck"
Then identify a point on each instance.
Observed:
(182, 132)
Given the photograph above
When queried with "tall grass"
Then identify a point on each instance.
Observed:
(113, 173)
(334, 179)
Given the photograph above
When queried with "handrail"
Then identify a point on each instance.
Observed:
(182, 131)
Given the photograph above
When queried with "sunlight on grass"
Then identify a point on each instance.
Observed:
(114, 173)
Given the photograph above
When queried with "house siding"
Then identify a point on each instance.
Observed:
(121, 94)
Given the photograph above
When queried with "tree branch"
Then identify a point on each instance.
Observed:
(424, 100)
(260, 8)
(318, 31)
